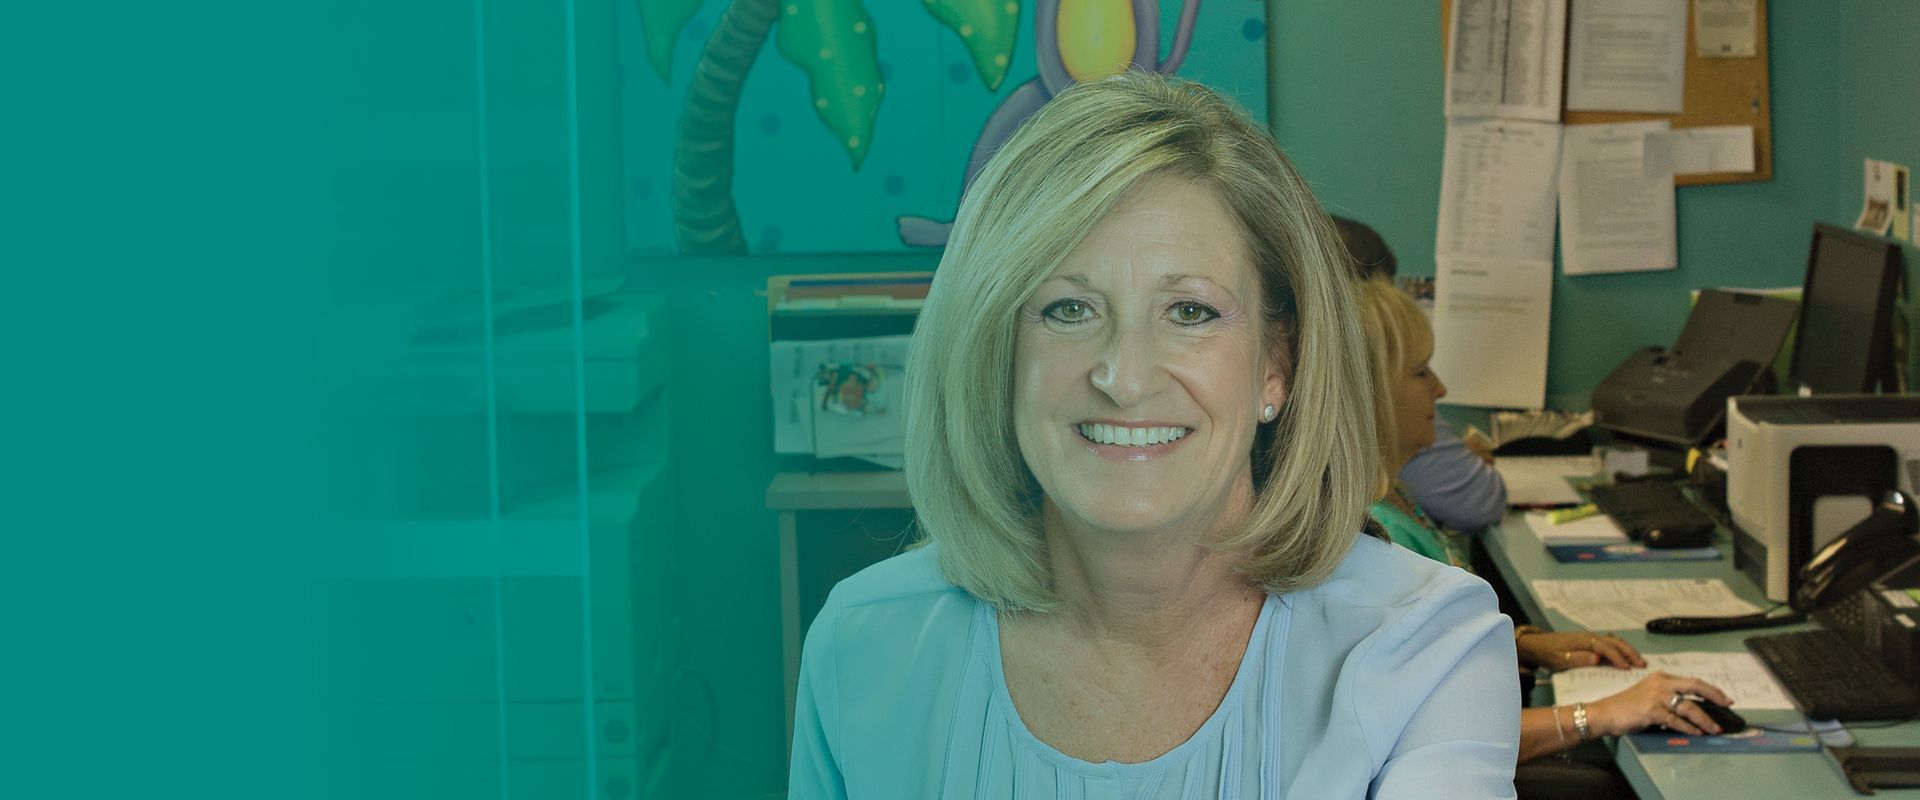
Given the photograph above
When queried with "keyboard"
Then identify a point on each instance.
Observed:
(1829, 679)
(1643, 506)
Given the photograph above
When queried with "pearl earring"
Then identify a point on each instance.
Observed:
(1267, 414)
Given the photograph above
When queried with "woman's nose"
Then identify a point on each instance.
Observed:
(1128, 369)
(1439, 387)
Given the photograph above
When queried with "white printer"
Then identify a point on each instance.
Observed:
(1802, 470)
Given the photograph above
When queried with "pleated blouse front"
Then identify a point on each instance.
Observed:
(1393, 678)
(1223, 758)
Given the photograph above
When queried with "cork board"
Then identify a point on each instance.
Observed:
(1719, 91)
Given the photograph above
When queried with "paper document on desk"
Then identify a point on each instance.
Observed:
(1617, 605)
(1506, 59)
(1596, 529)
(1627, 55)
(1740, 675)
(1542, 480)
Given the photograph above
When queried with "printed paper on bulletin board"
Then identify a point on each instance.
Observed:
(1719, 91)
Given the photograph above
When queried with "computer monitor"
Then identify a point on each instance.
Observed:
(1844, 344)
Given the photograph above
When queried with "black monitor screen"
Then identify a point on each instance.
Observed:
(1845, 313)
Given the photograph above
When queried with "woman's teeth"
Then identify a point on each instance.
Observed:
(1130, 437)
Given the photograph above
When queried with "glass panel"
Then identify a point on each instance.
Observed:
(496, 419)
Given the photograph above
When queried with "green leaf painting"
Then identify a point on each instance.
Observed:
(833, 42)
(987, 27)
(661, 21)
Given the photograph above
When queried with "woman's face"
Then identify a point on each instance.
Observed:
(1139, 372)
(1414, 391)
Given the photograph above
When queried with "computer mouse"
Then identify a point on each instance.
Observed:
(1728, 721)
(1677, 536)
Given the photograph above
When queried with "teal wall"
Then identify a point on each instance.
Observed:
(1356, 92)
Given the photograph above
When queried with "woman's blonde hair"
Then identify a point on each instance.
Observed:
(1031, 205)
(1398, 334)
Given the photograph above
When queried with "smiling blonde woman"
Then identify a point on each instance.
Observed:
(1140, 448)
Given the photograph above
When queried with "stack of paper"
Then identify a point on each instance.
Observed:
(1534, 481)
(1597, 529)
(1511, 425)
(1628, 604)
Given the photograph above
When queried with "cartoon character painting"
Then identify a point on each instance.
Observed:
(836, 45)
(1074, 41)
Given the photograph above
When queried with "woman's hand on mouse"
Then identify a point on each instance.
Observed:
(1560, 651)
(1652, 702)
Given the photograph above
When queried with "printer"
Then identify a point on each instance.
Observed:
(1802, 470)
(1674, 396)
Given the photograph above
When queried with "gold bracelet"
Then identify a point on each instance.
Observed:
(1557, 730)
(1580, 721)
(1523, 630)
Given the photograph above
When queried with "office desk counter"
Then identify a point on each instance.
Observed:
(1520, 557)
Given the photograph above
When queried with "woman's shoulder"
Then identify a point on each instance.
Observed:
(1379, 575)
(892, 603)
(911, 574)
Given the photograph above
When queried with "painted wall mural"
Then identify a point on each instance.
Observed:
(865, 130)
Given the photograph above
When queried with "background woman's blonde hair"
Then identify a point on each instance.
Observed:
(1398, 335)
(1039, 196)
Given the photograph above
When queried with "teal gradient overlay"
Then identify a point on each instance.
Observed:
(157, 225)
(356, 452)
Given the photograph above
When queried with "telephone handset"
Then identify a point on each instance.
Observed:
(1879, 543)
(1882, 541)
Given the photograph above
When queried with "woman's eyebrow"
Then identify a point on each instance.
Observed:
(1170, 281)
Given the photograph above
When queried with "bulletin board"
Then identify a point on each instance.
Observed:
(1719, 91)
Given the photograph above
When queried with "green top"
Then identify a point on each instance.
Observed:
(1411, 532)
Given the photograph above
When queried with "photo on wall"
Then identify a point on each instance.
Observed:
(845, 126)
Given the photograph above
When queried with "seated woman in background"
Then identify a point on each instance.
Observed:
(1133, 398)
(1406, 389)
(1453, 479)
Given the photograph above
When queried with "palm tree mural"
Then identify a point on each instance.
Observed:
(833, 42)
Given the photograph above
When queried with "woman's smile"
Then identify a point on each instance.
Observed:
(1130, 441)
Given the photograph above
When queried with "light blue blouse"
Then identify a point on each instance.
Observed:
(1394, 678)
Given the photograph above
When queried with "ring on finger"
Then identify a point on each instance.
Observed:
(1674, 704)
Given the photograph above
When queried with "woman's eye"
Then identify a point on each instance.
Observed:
(1193, 313)
(1069, 311)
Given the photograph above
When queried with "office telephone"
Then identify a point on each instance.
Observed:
(1878, 544)
(1882, 541)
